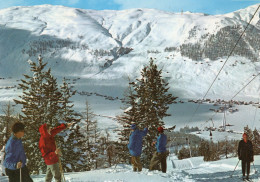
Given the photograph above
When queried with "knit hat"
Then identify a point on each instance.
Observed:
(133, 126)
(244, 134)
(160, 129)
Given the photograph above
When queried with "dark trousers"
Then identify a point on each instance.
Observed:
(245, 167)
(159, 158)
(14, 175)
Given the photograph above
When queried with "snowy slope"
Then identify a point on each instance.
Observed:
(186, 170)
(195, 170)
(245, 15)
(100, 49)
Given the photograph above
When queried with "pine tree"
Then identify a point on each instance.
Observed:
(67, 112)
(71, 141)
(256, 142)
(73, 150)
(149, 101)
(128, 117)
(52, 99)
(34, 101)
(153, 101)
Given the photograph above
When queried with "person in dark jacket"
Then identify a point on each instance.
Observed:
(135, 146)
(50, 152)
(15, 158)
(245, 154)
(160, 156)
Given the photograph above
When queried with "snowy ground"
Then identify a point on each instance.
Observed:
(188, 170)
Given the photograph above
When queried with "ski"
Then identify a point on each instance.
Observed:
(247, 180)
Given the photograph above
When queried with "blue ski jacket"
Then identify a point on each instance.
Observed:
(161, 143)
(136, 142)
(14, 153)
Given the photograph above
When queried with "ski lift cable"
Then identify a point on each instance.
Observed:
(235, 96)
(245, 86)
(224, 63)
(238, 93)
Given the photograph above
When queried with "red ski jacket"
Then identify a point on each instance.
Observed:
(47, 143)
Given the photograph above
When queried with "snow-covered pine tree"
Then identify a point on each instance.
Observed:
(153, 100)
(67, 112)
(34, 108)
(73, 150)
(128, 117)
(52, 99)
(71, 141)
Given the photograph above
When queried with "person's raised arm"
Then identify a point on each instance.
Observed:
(59, 128)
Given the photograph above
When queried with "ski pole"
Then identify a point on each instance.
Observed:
(61, 170)
(235, 169)
(255, 168)
(21, 173)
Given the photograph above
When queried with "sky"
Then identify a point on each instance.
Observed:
(201, 6)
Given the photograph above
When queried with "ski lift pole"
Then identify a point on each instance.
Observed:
(61, 169)
(189, 145)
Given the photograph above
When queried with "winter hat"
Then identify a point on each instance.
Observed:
(133, 126)
(244, 134)
(160, 129)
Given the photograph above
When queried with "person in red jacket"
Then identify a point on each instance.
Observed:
(50, 152)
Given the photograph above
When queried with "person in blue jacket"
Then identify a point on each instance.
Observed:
(160, 156)
(135, 146)
(15, 158)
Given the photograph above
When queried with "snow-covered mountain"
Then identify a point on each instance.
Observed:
(99, 49)
(110, 44)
